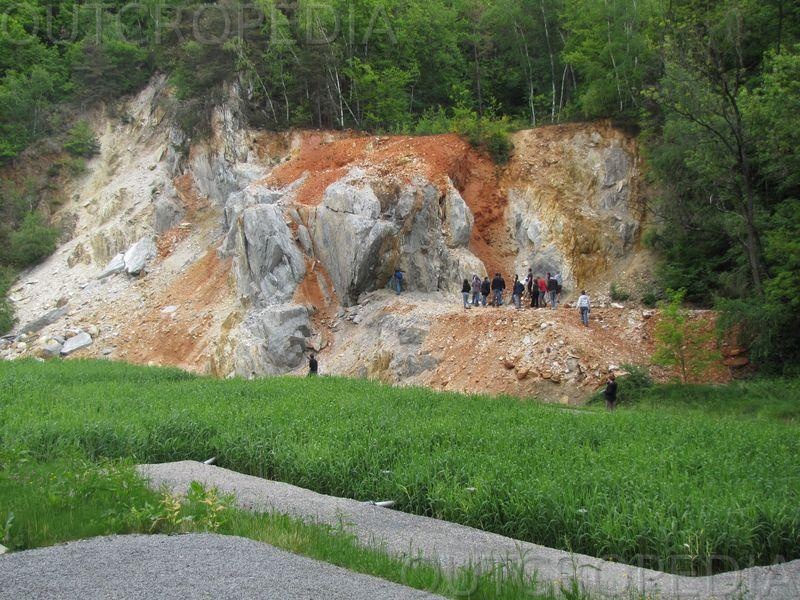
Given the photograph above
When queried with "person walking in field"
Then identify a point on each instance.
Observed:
(542, 292)
(466, 288)
(610, 392)
(516, 292)
(584, 306)
(476, 290)
(313, 366)
(486, 288)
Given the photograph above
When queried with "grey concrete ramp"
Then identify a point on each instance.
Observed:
(180, 567)
(405, 535)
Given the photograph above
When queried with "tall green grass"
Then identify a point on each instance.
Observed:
(641, 486)
(47, 503)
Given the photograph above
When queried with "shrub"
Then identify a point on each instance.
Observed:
(681, 342)
(32, 242)
(618, 294)
(485, 132)
(81, 140)
(650, 299)
(6, 308)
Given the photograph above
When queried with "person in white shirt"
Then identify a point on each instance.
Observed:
(584, 306)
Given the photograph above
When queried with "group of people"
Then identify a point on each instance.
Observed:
(541, 290)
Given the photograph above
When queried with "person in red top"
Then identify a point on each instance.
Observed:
(542, 292)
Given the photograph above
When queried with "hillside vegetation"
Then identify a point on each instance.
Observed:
(638, 485)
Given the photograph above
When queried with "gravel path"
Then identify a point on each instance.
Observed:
(180, 567)
(452, 545)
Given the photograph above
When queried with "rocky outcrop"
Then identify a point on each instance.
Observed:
(138, 255)
(267, 263)
(76, 342)
(316, 219)
(572, 206)
(272, 341)
(351, 240)
(361, 240)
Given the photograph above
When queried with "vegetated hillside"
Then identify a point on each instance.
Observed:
(635, 484)
(239, 253)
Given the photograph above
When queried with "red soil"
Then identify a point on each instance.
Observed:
(179, 338)
(326, 157)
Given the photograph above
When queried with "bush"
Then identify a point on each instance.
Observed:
(7, 319)
(618, 294)
(485, 133)
(31, 243)
(769, 331)
(629, 386)
(650, 299)
(81, 140)
(681, 342)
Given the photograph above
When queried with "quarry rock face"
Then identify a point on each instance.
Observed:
(267, 263)
(259, 242)
(272, 341)
(361, 240)
(351, 240)
(577, 211)
(458, 219)
(166, 214)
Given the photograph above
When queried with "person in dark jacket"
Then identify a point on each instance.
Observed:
(313, 366)
(486, 288)
(398, 280)
(610, 392)
(466, 288)
(552, 288)
(516, 292)
(534, 292)
(498, 285)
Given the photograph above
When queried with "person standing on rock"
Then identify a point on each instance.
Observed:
(398, 280)
(516, 292)
(542, 292)
(584, 306)
(533, 290)
(498, 285)
(529, 283)
(313, 366)
(610, 392)
(558, 285)
(476, 290)
(552, 288)
(486, 288)
(466, 288)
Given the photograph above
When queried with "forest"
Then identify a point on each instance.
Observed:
(712, 89)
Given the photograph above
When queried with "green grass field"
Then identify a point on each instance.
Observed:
(47, 503)
(639, 485)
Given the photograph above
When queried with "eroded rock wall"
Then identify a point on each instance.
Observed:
(264, 242)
